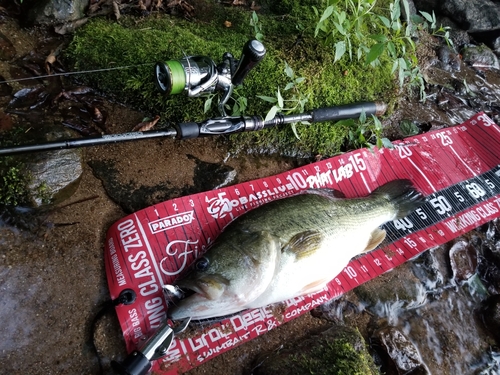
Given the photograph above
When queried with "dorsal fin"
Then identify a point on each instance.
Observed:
(378, 235)
(304, 243)
(326, 192)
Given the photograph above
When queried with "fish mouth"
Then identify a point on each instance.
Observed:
(210, 288)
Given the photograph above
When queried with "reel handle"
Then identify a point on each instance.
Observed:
(253, 52)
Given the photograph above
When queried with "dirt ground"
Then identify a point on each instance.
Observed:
(53, 283)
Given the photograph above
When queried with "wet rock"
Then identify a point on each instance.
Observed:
(393, 293)
(336, 350)
(488, 267)
(337, 309)
(463, 260)
(480, 57)
(133, 196)
(403, 354)
(449, 59)
(493, 231)
(7, 49)
(36, 12)
(54, 175)
(29, 98)
(489, 313)
(430, 268)
(470, 15)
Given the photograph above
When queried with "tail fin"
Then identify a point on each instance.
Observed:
(403, 195)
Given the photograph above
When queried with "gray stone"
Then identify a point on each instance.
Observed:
(401, 351)
(54, 176)
(470, 15)
(43, 12)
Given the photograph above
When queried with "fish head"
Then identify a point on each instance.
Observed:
(230, 275)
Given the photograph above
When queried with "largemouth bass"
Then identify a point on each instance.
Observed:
(288, 248)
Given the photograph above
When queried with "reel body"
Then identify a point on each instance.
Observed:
(199, 75)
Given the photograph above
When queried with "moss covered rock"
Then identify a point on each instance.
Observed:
(339, 350)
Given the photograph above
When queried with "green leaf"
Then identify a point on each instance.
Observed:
(339, 27)
(269, 99)
(407, 7)
(427, 16)
(300, 80)
(385, 21)
(280, 98)
(339, 50)
(392, 49)
(375, 52)
(362, 117)
(378, 124)
(327, 13)
(288, 70)
(387, 143)
(294, 129)
(378, 37)
(395, 12)
(395, 65)
(208, 104)
(272, 113)
(289, 85)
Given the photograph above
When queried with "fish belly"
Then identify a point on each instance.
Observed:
(311, 274)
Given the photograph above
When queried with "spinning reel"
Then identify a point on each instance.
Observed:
(199, 75)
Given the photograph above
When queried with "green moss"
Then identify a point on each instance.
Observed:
(14, 179)
(288, 36)
(340, 350)
(338, 357)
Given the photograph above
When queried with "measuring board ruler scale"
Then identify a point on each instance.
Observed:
(457, 169)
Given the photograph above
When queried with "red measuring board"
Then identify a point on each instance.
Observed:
(457, 169)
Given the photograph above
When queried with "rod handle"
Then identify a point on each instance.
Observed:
(348, 111)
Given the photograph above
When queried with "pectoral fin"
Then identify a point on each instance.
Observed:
(304, 244)
(378, 235)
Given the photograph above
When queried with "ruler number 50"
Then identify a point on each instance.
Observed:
(441, 204)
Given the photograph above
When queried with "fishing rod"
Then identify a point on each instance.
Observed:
(210, 127)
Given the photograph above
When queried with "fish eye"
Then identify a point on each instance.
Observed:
(201, 264)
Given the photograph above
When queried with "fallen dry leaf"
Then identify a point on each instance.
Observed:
(228, 23)
(116, 9)
(254, 6)
(5, 122)
(146, 125)
(49, 61)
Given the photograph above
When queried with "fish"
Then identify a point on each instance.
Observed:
(288, 248)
